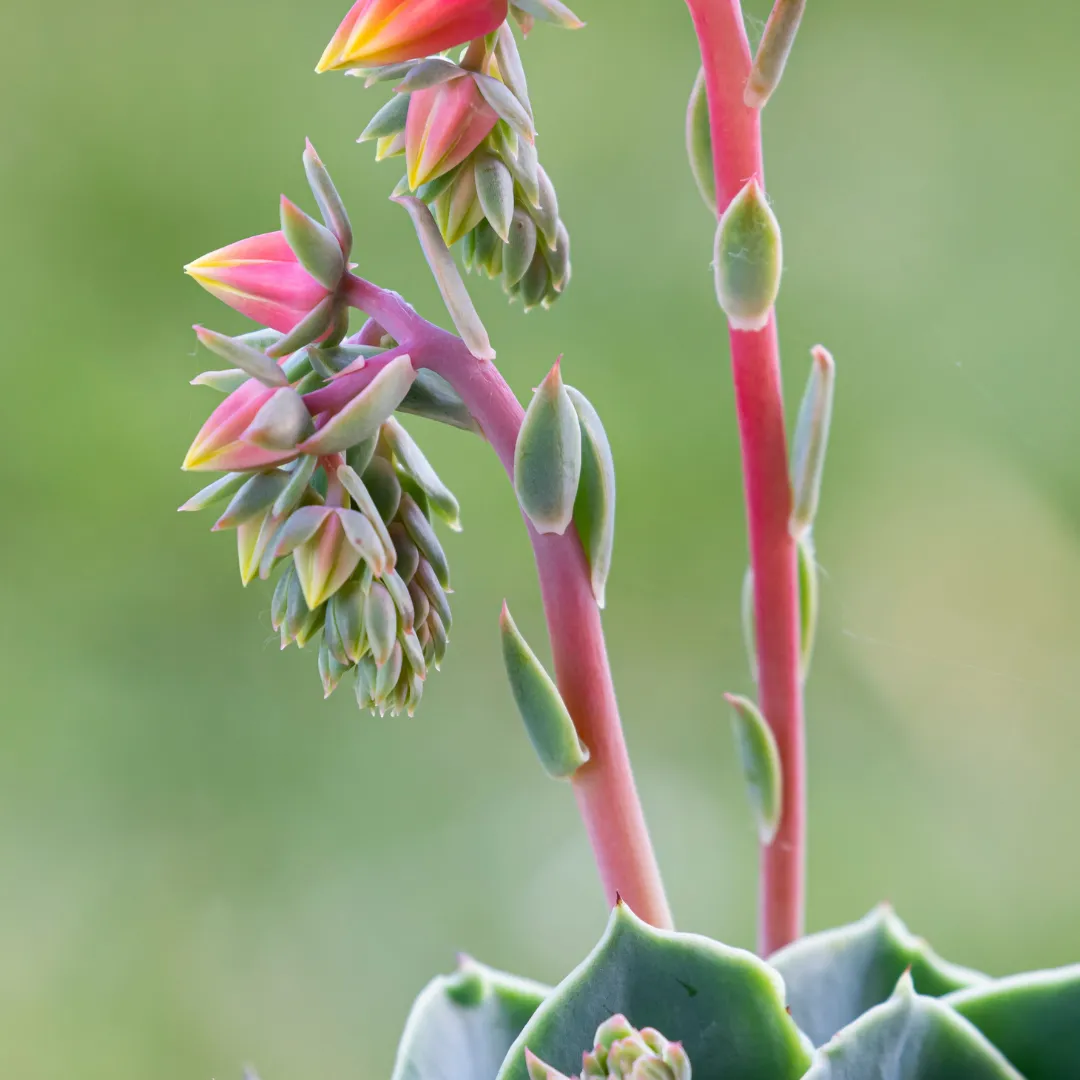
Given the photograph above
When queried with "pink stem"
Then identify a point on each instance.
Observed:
(755, 357)
(605, 789)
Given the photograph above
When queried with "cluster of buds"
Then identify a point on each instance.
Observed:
(621, 1052)
(466, 130)
(320, 477)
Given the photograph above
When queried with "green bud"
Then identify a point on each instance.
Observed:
(408, 555)
(748, 259)
(388, 674)
(439, 639)
(510, 66)
(546, 211)
(420, 601)
(594, 506)
(533, 287)
(366, 674)
(414, 652)
(547, 458)
(773, 52)
(548, 723)
(558, 259)
(330, 670)
(489, 250)
(279, 602)
(346, 610)
(426, 579)
(495, 190)
(811, 441)
(361, 534)
(423, 535)
(381, 621)
(760, 764)
(463, 208)
(399, 593)
(520, 248)
(699, 141)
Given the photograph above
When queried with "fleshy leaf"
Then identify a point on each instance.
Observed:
(724, 1005)
(760, 764)
(216, 492)
(499, 96)
(389, 120)
(808, 600)
(594, 507)
(367, 412)
(699, 141)
(225, 381)
(456, 297)
(552, 11)
(811, 441)
(462, 1025)
(910, 1037)
(1033, 1019)
(547, 458)
(835, 976)
(773, 52)
(326, 195)
(432, 397)
(548, 723)
(255, 362)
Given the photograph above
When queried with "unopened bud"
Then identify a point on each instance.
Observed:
(748, 259)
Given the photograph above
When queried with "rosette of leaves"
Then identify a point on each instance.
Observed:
(867, 1000)
(497, 202)
(362, 575)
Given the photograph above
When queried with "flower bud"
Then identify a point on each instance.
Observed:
(445, 125)
(221, 445)
(377, 32)
(261, 277)
(748, 259)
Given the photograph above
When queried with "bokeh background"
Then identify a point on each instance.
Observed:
(202, 864)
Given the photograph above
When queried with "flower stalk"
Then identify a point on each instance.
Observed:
(735, 130)
(604, 786)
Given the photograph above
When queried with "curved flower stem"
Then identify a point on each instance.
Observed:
(604, 787)
(755, 357)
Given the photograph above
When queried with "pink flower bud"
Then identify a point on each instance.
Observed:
(445, 125)
(220, 444)
(379, 32)
(262, 278)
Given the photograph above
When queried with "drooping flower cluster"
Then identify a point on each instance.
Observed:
(466, 130)
(320, 479)
(621, 1052)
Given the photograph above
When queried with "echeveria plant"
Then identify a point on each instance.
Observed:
(328, 490)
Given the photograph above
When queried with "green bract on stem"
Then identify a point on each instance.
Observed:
(747, 292)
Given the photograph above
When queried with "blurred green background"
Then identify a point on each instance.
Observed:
(202, 864)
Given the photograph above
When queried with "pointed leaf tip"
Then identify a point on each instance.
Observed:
(773, 52)
(547, 457)
(594, 505)
(748, 259)
(811, 441)
(456, 297)
(547, 722)
(760, 760)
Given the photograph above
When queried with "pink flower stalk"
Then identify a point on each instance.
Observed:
(220, 444)
(444, 126)
(379, 32)
(262, 278)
